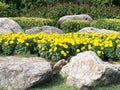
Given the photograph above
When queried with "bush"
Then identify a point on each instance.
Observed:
(3, 9)
(110, 24)
(117, 17)
(28, 22)
(74, 25)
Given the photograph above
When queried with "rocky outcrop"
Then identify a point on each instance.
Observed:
(22, 73)
(92, 30)
(75, 17)
(10, 25)
(58, 66)
(3, 31)
(44, 29)
(86, 69)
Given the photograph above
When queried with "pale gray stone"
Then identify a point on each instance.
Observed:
(22, 73)
(44, 29)
(86, 69)
(9, 24)
(4, 31)
(75, 17)
(93, 30)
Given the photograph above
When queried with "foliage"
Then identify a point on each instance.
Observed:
(117, 17)
(3, 9)
(96, 2)
(28, 22)
(74, 25)
(59, 10)
(57, 46)
(110, 24)
(54, 9)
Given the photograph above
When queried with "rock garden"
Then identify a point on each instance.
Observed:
(59, 45)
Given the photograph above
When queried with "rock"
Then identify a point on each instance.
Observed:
(92, 30)
(44, 29)
(58, 66)
(75, 17)
(22, 73)
(3, 31)
(87, 70)
(9, 24)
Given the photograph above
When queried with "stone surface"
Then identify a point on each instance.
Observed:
(58, 66)
(86, 69)
(3, 31)
(44, 29)
(9, 24)
(22, 73)
(92, 30)
(75, 17)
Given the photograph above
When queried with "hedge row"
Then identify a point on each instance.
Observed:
(110, 24)
(76, 25)
(57, 46)
(28, 22)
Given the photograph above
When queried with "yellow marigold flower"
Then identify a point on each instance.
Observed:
(62, 52)
(43, 49)
(0, 40)
(89, 47)
(11, 42)
(39, 46)
(50, 50)
(65, 54)
(65, 46)
(55, 49)
(27, 44)
(99, 53)
(78, 50)
(116, 63)
(6, 43)
(83, 48)
(20, 40)
(118, 45)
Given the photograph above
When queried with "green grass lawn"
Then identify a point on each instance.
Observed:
(58, 83)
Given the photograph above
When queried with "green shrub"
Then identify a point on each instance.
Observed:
(28, 22)
(3, 9)
(117, 17)
(74, 25)
(110, 24)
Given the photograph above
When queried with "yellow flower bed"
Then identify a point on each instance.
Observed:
(57, 46)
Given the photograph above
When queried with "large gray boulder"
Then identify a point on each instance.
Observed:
(44, 29)
(93, 30)
(21, 73)
(9, 24)
(86, 69)
(4, 31)
(75, 17)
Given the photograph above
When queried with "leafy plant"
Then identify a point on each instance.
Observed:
(74, 25)
(110, 24)
(28, 22)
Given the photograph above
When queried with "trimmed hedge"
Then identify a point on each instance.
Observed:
(74, 25)
(110, 24)
(28, 22)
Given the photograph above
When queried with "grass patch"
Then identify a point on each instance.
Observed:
(57, 83)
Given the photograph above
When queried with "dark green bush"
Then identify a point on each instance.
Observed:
(3, 9)
(74, 25)
(28, 22)
(110, 24)
(59, 10)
